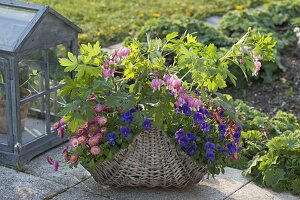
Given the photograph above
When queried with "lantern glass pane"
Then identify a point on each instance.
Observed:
(56, 71)
(33, 119)
(32, 74)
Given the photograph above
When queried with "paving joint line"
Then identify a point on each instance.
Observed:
(63, 190)
(230, 194)
(89, 191)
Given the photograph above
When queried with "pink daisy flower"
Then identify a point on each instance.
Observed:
(74, 142)
(74, 158)
(95, 150)
(101, 120)
(82, 140)
(93, 141)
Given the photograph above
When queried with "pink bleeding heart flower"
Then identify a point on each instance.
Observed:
(179, 102)
(123, 52)
(184, 96)
(257, 67)
(256, 57)
(107, 73)
(175, 82)
(195, 104)
(166, 78)
(95, 150)
(156, 84)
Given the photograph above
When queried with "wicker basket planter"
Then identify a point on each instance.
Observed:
(151, 160)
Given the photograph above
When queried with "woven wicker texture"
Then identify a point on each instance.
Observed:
(151, 160)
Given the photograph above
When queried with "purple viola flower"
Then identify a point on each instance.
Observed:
(197, 92)
(198, 118)
(206, 113)
(231, 148)
(133, 110)
(191, 137)
(205, 127)
(179, 133)
(222, 130)
(112, 137)
(178, 110)
(221, 149)
(209, 151)
(237, 134)
(125, 131)
(192, 149)
(210, 156)
(127, 117)
(210, 138)
(147, 124)
(186, 109)
(209, 146)
(183, 141)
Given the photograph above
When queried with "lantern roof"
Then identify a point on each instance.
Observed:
(36, 25)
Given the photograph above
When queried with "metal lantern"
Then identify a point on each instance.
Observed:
(32, 38)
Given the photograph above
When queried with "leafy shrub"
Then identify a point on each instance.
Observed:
(206, 34)
(279, 168)
(275, 19)
(271, 147)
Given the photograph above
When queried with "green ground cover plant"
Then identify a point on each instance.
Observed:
(271, 147)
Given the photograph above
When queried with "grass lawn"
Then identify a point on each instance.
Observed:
(110, 21)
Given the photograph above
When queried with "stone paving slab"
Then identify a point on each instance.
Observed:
(18, 186)
(40, 167)
(252, 191)
(74, 194)
(218, 188)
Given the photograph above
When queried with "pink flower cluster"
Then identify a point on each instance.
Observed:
(60, 128)
(174, 84)
(257, 62)
(256, 59)
(87, 136)
(116, 56)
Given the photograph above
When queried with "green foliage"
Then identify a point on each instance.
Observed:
(159, 28)
(275, 19)
(271, 147)
(279, 168)
(110, 21)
